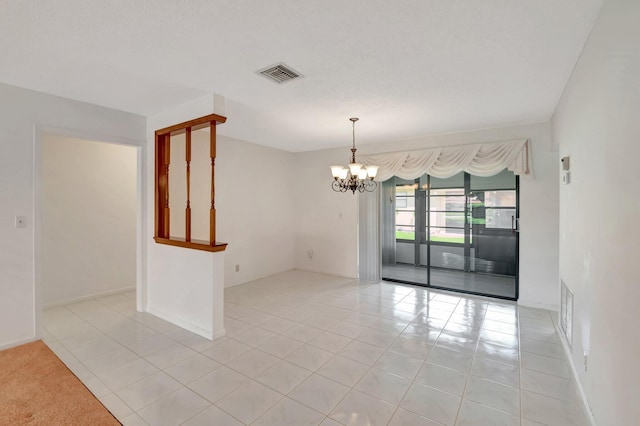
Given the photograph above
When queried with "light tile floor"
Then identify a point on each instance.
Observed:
(308, 349)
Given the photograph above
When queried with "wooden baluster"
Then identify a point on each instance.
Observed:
(160, 182)
(167, 210)
(162, 185)
(212, 211)
(187, 232)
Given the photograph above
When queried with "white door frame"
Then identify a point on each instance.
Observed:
(141, 282)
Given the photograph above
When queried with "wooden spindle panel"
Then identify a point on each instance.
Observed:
(162, 163)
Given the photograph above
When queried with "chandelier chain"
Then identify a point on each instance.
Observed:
(353, 130)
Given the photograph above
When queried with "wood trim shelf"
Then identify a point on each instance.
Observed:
(193, 244)
(195, 124)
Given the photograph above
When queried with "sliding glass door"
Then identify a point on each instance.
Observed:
(457, 233)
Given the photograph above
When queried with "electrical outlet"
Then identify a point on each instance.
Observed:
(237, 268)
(310, 254)
(21, 222)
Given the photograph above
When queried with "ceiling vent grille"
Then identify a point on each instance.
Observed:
(280, 73)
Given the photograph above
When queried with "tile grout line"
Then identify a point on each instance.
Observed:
(361, 306)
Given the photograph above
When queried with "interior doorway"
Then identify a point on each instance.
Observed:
(88, 218)
(458, 233)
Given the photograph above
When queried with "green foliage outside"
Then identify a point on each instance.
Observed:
(406, 235)
(443, 239)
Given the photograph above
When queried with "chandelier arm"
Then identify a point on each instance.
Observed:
(370, 185)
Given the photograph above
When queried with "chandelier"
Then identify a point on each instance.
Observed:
(355, 177)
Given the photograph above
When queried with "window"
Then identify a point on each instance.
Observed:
(442, 209)
(405, 213)
(500, 209)
(446, 211)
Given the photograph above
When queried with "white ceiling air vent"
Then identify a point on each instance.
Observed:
(280, 73)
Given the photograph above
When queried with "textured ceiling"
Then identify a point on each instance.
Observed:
(407, 68)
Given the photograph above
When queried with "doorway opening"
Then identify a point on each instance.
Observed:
(88, 220)
(458, 233)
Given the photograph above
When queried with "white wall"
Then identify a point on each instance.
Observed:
(255, 208)
(254, 203)
(597, 125)
(22, 112)
(326, 220)
(184, 286)
(88, 216)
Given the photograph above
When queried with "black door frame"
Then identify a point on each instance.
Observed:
(467, 244)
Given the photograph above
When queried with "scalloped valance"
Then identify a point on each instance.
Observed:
(486, 159)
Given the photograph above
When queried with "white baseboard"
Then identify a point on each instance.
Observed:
(207, 334)
(537, 305)
(576, 378)
(18, 343)
(219, 334)
(88, 297)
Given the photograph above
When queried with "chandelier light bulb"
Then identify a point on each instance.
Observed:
(354, 168)
(336, 171)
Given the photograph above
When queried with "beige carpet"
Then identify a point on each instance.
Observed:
(36, 388)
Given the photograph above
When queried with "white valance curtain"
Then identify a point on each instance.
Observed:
(485, 159)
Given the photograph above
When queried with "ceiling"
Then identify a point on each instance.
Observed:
(407, 68)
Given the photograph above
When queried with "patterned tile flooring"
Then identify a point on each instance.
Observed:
(307, 349)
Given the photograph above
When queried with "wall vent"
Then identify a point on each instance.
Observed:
(280, 73)
(566, 312)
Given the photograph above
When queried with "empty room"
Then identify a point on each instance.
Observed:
(319, 213)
